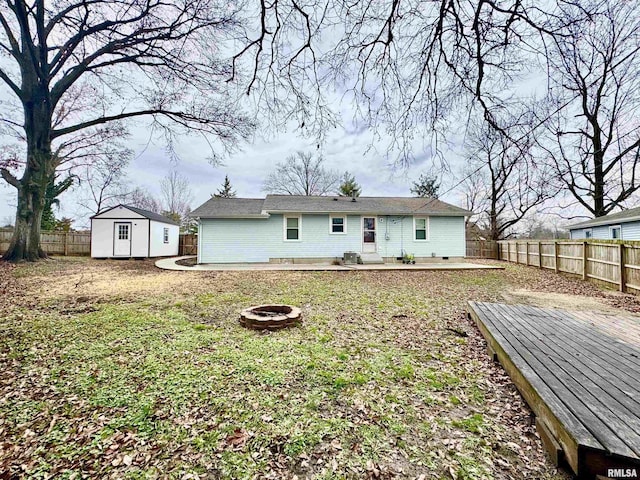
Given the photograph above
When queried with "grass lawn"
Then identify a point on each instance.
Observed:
(119, 370)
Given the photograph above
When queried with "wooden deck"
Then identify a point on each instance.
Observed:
(580, 374)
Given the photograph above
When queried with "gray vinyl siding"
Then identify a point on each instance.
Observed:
(446, 237)
(601, 232)
(260, 239)
(629, 230)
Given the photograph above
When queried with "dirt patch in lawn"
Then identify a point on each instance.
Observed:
(603, 304)
(107, 279)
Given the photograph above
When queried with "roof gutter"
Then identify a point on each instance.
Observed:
(374, 213)
(255, 215)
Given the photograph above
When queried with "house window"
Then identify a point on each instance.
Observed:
(421, 228)
(292, 228)
(338, 224)
(616, 232)
(123, 232)
(165, 235)
(588, 233)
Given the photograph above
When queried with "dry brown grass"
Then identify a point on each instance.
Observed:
(115, 369)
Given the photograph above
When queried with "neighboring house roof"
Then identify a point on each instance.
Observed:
(630, 215)
(253, 207)
(230, 208)
(156, 217)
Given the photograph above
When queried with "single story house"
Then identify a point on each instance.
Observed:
(124, 231)
(314, 229)
(623, 225)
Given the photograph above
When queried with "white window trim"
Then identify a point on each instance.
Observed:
(344, 225)
(611, 227)
(426, 224)
(165, 235)
(590, 230)
(284, 227)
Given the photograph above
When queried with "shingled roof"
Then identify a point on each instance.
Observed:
(230, 208)
(630, 215)
(253, 207)
(156, 217)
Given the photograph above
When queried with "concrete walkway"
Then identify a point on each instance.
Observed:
(170, 264)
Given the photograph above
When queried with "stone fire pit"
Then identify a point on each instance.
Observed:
(270, 317)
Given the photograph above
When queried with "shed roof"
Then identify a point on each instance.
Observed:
(156, 217)
(256, 207)
(629, 215)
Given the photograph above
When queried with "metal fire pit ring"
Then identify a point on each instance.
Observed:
(270, 317)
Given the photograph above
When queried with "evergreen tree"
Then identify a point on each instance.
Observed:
(54, 190)
(349, 187)
(226, 191)
(426, 186)
(48, 222)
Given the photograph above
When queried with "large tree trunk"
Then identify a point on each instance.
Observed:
(25, 244)
(32, 187)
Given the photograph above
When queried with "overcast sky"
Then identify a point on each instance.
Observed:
(346, 148)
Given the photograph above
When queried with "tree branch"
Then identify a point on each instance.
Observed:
(9, 178)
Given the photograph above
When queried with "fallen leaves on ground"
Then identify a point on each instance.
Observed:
(119, 370)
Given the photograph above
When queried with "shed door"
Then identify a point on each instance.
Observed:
(122, 239)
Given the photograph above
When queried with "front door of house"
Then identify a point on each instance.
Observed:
(369, 235)
(122, 239)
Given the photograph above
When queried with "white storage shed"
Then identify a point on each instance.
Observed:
(130, 232)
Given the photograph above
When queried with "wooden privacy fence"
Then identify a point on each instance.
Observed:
(188, 244)
(79, 243)
(55, 243)
(614, 263)
(482, 249)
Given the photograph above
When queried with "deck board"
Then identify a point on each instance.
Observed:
(580, 379)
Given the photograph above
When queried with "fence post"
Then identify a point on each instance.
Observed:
(526, 249)
(584, 260)
(539, 254)
(623, 280)
(555, 254)
(66, 243)
(517, 253)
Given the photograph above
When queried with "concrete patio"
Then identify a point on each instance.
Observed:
(170, 264)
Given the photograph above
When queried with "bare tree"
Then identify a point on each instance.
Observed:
(141, 198)
(302, 174)
(176, 196)
(409, 66)
(140, 59)
(503, 183)
(103, 184)
(595, 74)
